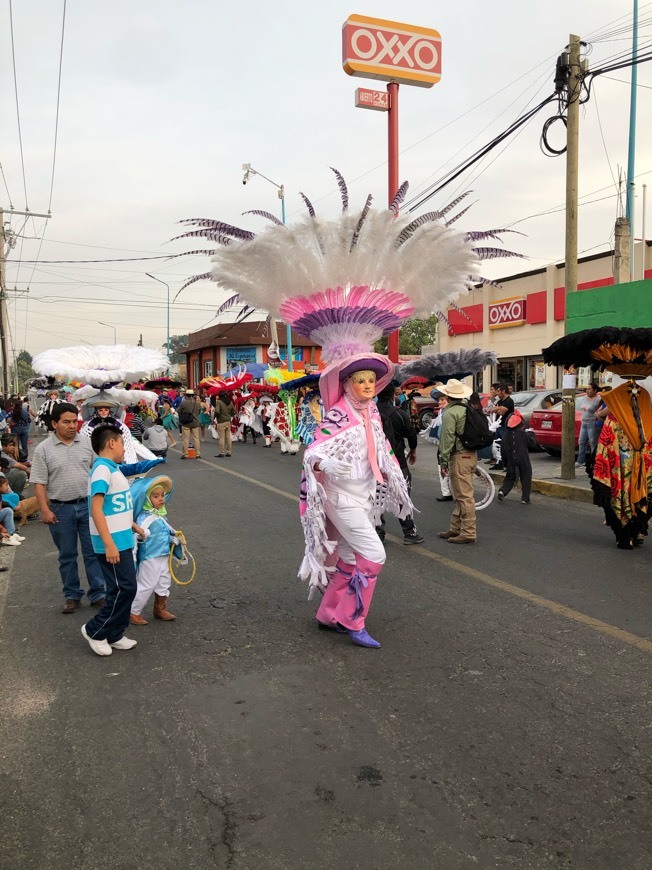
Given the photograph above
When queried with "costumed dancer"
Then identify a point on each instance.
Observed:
(343, 284)
(279, 427)
(622, 470)
(311, 412)
(516, 458)
(106, 409)
(153, 549)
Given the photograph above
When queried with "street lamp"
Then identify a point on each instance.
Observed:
(111, 326)
(248, 172)
(149, 275)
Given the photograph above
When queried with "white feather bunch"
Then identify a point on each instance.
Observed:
(432, 267)
(100, 364)
(124, 397)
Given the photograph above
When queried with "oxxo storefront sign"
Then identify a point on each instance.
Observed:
(390, 51)
(507, 312)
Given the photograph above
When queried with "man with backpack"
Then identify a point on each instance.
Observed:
(464, 431)
(189, 422)
(398, 429)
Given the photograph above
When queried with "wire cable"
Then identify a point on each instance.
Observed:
(20, 133)
(56, 119)
(4, 179)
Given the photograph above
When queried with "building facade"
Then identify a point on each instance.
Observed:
(528, 312)
(218, 348)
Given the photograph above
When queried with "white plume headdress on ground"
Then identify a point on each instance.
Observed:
(100, 364)
(344, 283)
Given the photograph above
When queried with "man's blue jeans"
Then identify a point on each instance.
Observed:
(72, 524)
(588, 435)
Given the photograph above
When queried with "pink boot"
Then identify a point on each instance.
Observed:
(335, 592)
(354, 606)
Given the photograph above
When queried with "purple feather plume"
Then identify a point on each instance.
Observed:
(363, 215)
(230, 302)
(227, 229)
(395, 204)
(205, 276)
(266, 214)
(309, 205)
(211, 235)
(456, 217)
(495, 253)
(344, 193)
(488, 234)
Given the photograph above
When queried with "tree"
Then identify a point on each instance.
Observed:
(23, 370)
(413, 336)
(176, 342)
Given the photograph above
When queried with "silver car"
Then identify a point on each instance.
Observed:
(528, 401)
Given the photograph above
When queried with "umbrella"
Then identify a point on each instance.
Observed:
(256, 370)
(625, 351)
(306, 381)
(100, 364)
(161, 384)
(436, 367)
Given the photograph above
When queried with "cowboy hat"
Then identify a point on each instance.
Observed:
(454, 389)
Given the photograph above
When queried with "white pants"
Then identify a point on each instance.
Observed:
(356, 533)
(153, 576)
(444, 482)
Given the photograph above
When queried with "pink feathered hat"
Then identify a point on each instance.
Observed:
(333, 376)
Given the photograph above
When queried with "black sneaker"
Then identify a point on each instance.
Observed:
(525, 501)
(414, 538)
(501, 495)
(496, 467)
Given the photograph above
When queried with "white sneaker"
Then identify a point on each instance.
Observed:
(100, 647)
(18, 537)
(124, 643)
(11, 542)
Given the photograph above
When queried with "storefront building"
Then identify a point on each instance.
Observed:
(527, 313)
(218, 348)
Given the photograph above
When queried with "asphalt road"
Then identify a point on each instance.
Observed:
(504, 724)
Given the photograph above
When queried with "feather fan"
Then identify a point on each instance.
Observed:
(100, 364)
(346, 282)
(452, 363)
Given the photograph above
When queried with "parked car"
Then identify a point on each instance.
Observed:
(528, 401)
(427, 407)
(546, 425)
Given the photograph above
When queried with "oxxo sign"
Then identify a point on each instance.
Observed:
(387, 50)
(507, 312)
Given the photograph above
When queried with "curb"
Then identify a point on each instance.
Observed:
(556, 489)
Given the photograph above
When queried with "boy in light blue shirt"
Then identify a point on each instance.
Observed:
(111, 527)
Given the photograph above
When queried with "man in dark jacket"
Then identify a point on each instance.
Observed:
(189, 422)
(398, 428)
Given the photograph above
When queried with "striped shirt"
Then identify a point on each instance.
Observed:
(107, 480)
(63, 468)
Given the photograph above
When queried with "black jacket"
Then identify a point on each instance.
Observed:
(513, 448)
(398, 428)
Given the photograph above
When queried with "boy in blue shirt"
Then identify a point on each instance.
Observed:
(111, 526)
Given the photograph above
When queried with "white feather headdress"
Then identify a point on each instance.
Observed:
(100, 364)
(344, 283)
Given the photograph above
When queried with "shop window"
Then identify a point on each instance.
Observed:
(195, 372)
(208, 368)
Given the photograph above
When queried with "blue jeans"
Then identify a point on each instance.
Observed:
(588, 435)
(7, 519)
(112, 620)
(72, 523)
(22, 434)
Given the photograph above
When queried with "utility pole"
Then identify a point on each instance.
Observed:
(3, 296)
(570, 264)
(4, 244)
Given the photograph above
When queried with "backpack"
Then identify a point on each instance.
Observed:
(476, 434)
(186, 418)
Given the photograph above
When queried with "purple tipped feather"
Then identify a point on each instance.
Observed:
(227, 229)
(230, 302)
(266, 214)
(205, 252)
(395, 204)
(344, 193)
(451, 205)
(458, 215)
(363, 215)
(495, 253)
(412, 227)
(211, 235)
(206, 276)
(488, 234)
(309, 205)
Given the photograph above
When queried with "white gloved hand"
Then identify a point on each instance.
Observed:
(335, 468)
(174, 540)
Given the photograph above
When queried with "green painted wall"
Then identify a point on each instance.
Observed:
(618, 305)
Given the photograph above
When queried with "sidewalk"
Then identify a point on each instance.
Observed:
(546, 479)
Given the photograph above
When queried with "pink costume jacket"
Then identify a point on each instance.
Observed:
(341, 436)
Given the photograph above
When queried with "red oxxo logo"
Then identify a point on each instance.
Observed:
(507, 312)
(387, 50)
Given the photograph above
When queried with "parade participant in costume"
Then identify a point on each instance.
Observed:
(279, 427)
(106, 410)
(153, 550)
(169, 419)
(516, 458)
(344, 284)
(311, 412)
(622, 471)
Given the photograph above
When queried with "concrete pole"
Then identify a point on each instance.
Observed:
(570, 264)
(392, 183)
(3, 292)
(621, 251)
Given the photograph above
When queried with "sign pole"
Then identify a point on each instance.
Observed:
(392, 177)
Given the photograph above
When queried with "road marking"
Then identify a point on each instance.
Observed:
(559, 609)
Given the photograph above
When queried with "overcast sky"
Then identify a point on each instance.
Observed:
(163, 100)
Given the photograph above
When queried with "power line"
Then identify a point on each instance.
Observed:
(4, 178)
(20, 134)
(604, 144)
(56, 119)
